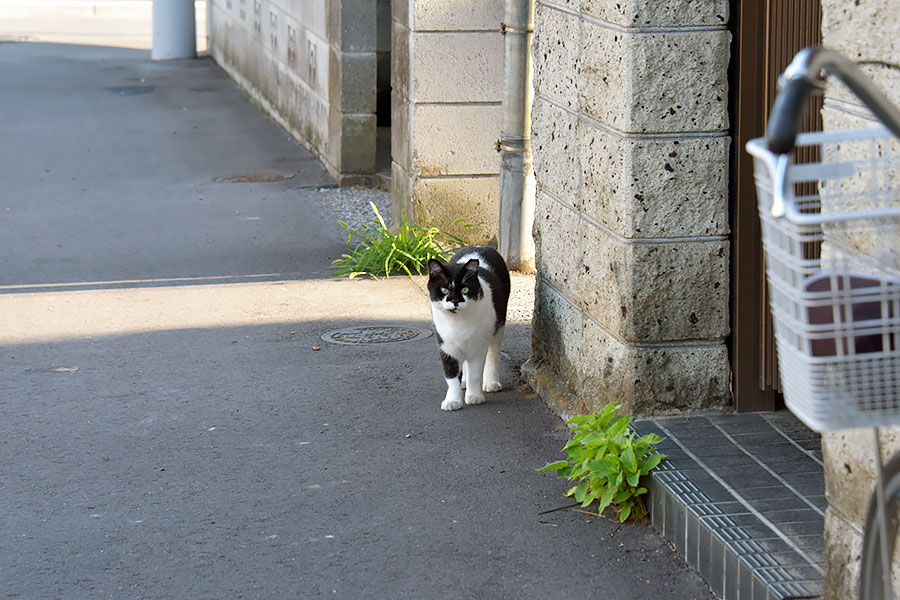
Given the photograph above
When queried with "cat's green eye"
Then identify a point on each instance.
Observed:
(445, 291)
(465, 290)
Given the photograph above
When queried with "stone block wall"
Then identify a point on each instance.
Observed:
(631, 154)
(864, 32)
(447, 80)
(312, 65)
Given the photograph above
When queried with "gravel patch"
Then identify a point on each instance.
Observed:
(521, 298)
(351, 205)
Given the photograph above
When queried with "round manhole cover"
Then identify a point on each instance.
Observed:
(258, 177)
(364, 335)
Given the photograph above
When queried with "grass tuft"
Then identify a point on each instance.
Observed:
(374, 251)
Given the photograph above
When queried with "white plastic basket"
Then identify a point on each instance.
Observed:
(833, 267)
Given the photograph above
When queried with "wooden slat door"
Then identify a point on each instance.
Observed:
(768, 33)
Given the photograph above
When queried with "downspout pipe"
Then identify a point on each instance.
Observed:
(174, 30)
(516, 169)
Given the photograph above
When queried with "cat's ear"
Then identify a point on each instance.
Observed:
(436, 269)
(471, 268)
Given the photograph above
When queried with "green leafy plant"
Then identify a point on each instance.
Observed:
(608, 462)
(373, 250)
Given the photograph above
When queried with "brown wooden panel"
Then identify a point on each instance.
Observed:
(768, 33)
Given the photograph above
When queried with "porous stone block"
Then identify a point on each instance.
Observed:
(557, 240)
(890, 442)
(602, 368)
(658, 13)
(843, 550)
(887, 79)
(654, 187)
(572, 5)
(439, 15)
(555, 50)
(556, 331)
(655, 292)
(443, 201)
(357, 77)
(457, 67)
(554, 142)
(685, 287)
(849, 472)
(650, 380)
(455, 139)
(604, 365)
(677, 379)
(604, 280)
(655, 82)
(849, 456)
(858, 29)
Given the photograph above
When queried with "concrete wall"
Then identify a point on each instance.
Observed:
(629, 133)
(862, 31)
(447, 80)
(312, 65)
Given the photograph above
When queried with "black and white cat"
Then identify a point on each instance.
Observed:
(469, 295)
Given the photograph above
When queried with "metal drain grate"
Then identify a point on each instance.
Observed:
(366, 335)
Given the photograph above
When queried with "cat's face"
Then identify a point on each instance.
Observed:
(453, 287)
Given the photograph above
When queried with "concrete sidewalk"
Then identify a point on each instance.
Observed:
(172, 425)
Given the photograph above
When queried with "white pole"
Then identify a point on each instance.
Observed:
(516, 171)
(174, 30)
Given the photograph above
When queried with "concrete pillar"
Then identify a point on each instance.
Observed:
(631, 149)
(174, 30)
(447, 84)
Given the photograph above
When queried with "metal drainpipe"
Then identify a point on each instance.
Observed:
(516, 169)
(174, 30)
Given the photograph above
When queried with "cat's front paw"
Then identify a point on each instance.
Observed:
(451, 404)
(474, 398)
(492, 386)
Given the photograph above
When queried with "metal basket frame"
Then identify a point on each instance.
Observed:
(831, 234)
(831, 231)
(837, 371)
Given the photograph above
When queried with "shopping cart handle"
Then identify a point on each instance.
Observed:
(788, 112)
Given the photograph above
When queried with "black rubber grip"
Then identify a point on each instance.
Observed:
(784, 122)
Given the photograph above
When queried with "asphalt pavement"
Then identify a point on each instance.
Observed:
(173, 425)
